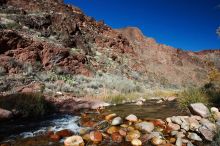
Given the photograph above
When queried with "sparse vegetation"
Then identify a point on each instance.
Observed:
(122, 98)
(27, 105)
(192, 95)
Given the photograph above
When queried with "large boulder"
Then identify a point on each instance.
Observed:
(5, 114)
(199, 109)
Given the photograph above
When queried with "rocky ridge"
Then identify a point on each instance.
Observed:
(64, 40)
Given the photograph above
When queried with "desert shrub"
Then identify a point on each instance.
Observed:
(28, 105)
(119, 83)
(192, 95)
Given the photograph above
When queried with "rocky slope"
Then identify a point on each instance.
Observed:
(64, 41)
(173, 65)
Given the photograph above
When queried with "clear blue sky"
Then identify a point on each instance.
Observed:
(186, 24)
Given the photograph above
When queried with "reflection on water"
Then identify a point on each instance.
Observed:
(151, 109)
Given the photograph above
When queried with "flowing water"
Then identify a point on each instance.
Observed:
(30, 133)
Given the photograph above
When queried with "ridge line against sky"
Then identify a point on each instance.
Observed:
(186, 24)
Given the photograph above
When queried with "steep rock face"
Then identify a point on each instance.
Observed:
(173, 65)
(61, 36)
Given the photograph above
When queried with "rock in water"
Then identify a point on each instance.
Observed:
(136, 142)
(110, 116)
(132, 118)
(156, 141)
(116, 137)
(135, 134)
(145, 126)
(117, 121)
(74, 141)
(199, 109)
(5, 114)
(96, 136)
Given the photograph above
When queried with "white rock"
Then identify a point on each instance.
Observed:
(131, 118)
(177, 120)
(194, 136)
(214, 109)
(179, 141)
(117, 121)
(168, 120)
(136, 142)
(190, 143)
(139, 103)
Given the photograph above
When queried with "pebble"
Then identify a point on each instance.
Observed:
(136, 142)
(132, 118)
(156, 141)
(117, 121)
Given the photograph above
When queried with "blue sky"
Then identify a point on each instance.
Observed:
(186, 24)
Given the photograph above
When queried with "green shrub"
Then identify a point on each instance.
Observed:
(28, 105)
(192, 95)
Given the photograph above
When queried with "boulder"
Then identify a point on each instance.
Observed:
(5, 114)
(145, 126)
(199, 109)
